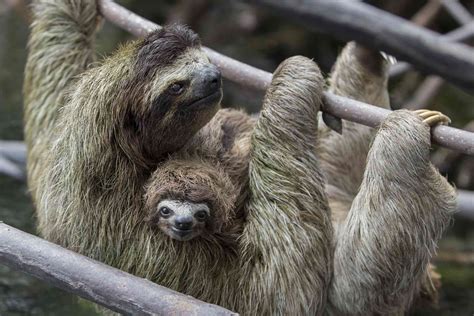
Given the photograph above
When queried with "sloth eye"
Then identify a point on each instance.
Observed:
(165, 212)
(176, 88)
(201, 215)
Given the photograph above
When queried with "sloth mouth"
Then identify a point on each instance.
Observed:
(181, 232)
(206, 100)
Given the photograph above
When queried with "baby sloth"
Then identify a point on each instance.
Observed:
(200, 191)
(192, 198)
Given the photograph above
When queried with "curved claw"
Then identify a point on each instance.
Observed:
(433, 118)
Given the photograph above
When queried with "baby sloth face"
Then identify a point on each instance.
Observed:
(189, 199)
(181, 220)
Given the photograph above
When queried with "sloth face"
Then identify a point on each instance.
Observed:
(174, 92)
(187, 197)
(181, 220)
(184, 97)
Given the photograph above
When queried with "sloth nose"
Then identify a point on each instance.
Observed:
(184, 222)
(211, 79)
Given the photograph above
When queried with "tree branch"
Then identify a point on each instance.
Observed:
(427, 13)
(457, 11)
(95, 281)
(461, 34)
(382, 31)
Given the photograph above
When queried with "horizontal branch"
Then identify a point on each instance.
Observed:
(383, 31)
(255, 78)
(95, 281)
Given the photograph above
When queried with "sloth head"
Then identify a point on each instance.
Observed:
(186, 199)
(170, 92)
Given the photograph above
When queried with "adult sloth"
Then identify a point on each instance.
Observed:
(92, 151)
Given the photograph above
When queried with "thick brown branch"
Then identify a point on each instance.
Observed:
(95, 281)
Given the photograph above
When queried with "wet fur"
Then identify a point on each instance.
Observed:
(88, 171)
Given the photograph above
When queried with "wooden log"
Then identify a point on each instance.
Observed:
(95, 281)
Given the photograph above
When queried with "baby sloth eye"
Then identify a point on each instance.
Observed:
(201, 216)
(176, 88)
(165, 212)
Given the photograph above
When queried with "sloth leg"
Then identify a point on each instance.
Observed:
(359, 74)
(286, 241)
(384, 247)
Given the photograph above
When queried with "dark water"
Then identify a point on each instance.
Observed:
(24, 295)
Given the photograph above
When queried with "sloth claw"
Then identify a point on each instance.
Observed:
(433, 118)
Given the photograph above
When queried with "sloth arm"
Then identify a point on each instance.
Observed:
(60, 48)
(359, 74)
(285, 245)
(403, 206)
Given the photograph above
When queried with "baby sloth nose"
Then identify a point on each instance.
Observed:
(184, 222)
(211, 80)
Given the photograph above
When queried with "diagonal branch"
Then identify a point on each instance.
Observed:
(457, 11)
(461, 34)
(95, 281)
(254, 78)
(383, 31)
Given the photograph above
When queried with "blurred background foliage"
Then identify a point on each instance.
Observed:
(261, 39)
